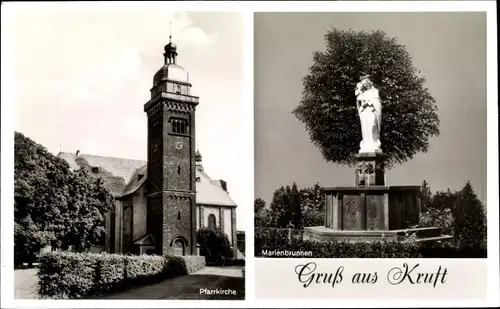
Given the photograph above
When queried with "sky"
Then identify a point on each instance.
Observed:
(448, 48)
(82, 77)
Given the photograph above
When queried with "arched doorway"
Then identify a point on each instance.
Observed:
(212, 221)
(179, 246)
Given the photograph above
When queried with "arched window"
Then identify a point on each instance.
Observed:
(212, 221)
(179, 247)
(179, 126)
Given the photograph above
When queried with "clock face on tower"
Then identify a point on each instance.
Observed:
(179, 144)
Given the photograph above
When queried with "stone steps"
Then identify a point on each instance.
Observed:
(421, 232)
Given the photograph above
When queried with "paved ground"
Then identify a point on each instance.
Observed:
(221, 271)
(191, 286)
(184, 287)
(25, 283)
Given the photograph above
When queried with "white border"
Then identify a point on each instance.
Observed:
(248, 7)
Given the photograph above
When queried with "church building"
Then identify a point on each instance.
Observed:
(162, 202)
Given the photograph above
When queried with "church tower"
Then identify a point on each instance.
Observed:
(171, 173)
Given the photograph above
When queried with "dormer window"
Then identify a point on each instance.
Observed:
(95, 170)
(179, 126)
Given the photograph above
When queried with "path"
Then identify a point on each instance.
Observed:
(190, 286)
(25, 283)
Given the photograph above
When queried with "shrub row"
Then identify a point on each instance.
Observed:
(280, 240)
(64, 275)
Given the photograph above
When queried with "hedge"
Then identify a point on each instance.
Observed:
(274, 239)
(63, 275)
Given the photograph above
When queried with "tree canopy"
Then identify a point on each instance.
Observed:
(53, 205)
(214, 244)
(328, 107)
(458, 213)
(291, 207)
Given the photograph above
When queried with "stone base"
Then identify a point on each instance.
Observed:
(370, 170)
(321, 233)
(372, 208)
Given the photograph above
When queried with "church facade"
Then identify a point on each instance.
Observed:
(162, 202)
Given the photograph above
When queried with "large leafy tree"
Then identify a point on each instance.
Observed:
(328, 107)
(83, 222)
(53, 205)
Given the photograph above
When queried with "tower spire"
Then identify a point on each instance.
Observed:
(170, 49)
(198, 157)
(170, 36)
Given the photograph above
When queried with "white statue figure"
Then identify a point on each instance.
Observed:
(370, 114)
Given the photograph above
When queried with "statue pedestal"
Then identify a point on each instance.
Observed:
(370, 170)
(370, 210)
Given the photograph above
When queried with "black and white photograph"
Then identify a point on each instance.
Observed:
(351, 145)
(128, 171)
(370, 135)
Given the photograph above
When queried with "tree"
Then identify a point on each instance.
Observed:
(312, 204)
(214, 244)
(53, 205)
(295, 209)
(328, 107)
(88, 203)
(262, 216)
(29, 239)
(443, 200)
(426, 195)
(470, 220)
(279, 207)
(259, 204)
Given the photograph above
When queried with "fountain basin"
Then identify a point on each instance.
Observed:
(372, 213)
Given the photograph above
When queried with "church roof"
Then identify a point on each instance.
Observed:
(208, 190)
(134, 174)
(119, 167)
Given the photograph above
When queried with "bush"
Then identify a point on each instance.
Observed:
(214, 244)
(193, 263)
(275, 237)
(74, 275)
(442, 218)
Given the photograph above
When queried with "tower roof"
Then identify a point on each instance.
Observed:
(171, 70)
(198, 156)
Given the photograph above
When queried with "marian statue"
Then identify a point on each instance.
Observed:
(370, 114)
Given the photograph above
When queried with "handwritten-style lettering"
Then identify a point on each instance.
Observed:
(398, 275)
(307, 275)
